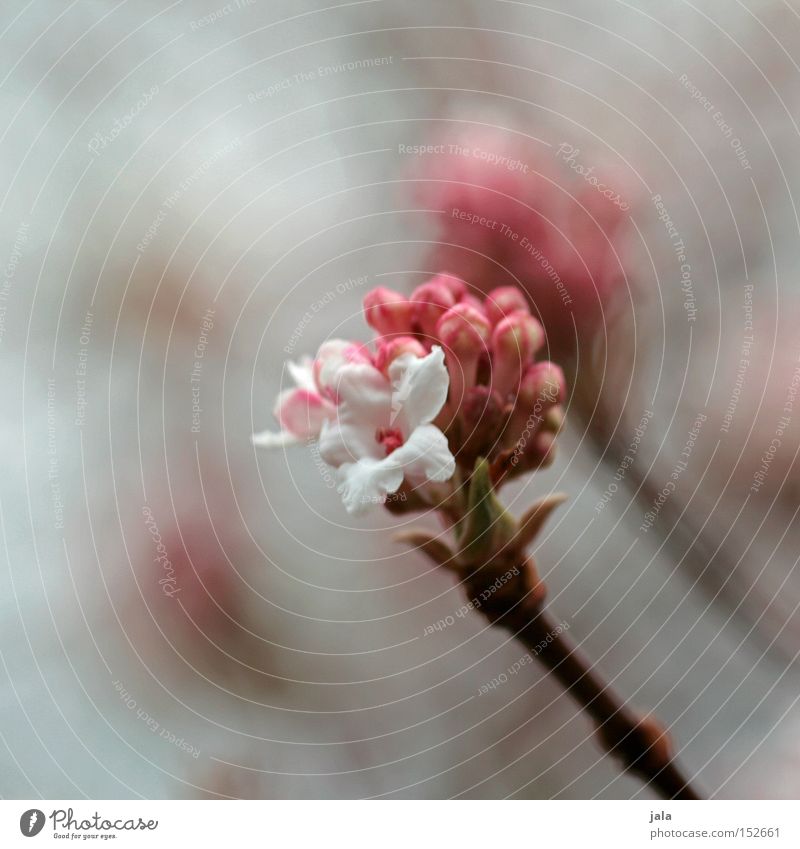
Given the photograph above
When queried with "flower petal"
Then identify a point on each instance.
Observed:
(419, 387)
(425, 456)
(302, 413)
(302, 373)
(367, 483)
(365, 397)
(332, 356)
(346, 440)
(364, 391)
(271, 439)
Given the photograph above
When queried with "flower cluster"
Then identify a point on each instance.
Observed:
(502, 405)
(450, 378)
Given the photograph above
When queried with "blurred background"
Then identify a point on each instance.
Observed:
(194, 192)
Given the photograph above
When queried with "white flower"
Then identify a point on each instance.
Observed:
(374, 430)
(382, 431)
(299, 411)
(302, 410)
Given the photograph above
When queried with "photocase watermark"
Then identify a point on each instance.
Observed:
(219, 14)
(472, 604)
(548, 396)
(169, 202)
(81, 368)
(168, 583)
(780, 429)
(717, 117)
(206, 326)
(569, 155)
(313, 74)
(521, 240)
(523, 661)
(52, 457)
(744, 360)
(626, 462)
(101, 140)
(678, 246)
(152, 723)
(31, 822)
(327, 298)
(677, 470)
(10, 271)
(66, 826)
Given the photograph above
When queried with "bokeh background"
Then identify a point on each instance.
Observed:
(189, 189)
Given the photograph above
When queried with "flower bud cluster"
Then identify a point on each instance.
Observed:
(503, 404)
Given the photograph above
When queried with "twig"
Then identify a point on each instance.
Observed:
(639, 741)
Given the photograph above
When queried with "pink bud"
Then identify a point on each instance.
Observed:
(482, 422)
(463, 332)
(331, 356)
(544, 384)
(515, 340)
(301, 412)
(503, 301)
(457, 287)
(534, 449)
(475, 302)
(430, 301)
(537, 407)
(387, 311)
(390, 349)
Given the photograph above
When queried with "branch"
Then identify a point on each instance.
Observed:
(639, 741)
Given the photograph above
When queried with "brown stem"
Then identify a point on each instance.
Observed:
(639, 741)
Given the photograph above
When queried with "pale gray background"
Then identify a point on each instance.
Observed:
(324, 686)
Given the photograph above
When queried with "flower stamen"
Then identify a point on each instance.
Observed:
(391, 438)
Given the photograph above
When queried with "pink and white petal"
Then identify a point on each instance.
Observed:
(271, 439)
(367, 483)
(365, 397)
(302, 373)
(332, 356)
(364, 394)
(346, 440)
(302, 413)
(425, 456)
(419, 388)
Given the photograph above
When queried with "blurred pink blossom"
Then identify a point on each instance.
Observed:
(514, 212)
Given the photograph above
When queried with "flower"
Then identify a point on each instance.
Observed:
(374, 425)
(452, 379)
(302, 411)
(299, 411)
(383, 432)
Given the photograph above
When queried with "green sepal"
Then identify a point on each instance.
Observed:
(486, 527)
